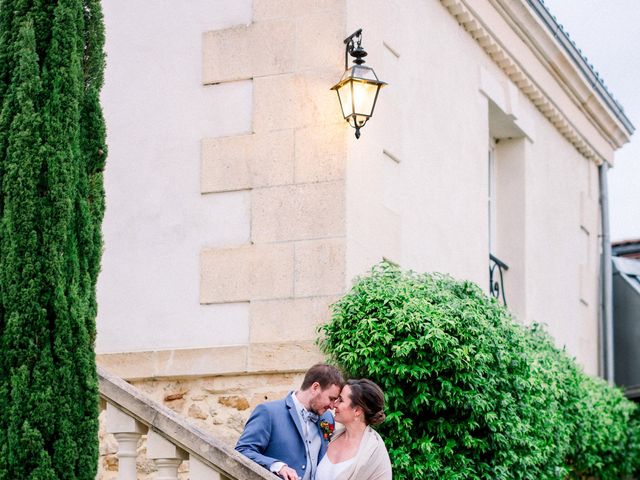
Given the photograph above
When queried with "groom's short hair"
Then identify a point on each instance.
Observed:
(325, 375)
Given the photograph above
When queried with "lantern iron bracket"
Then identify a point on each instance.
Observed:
(354, 48)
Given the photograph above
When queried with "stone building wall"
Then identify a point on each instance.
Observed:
(239, 206)
(219, 405)
(214, 338)
(236, 246)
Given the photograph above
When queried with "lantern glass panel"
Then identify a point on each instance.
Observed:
(346, 102)
(364, 96)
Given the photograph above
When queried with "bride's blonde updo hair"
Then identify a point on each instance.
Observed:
(368, 396)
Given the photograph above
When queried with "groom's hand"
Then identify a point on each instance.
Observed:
(288, 473)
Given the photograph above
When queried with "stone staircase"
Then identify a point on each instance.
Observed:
(170, 438)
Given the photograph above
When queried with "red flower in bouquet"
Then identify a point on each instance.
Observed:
(327, 429)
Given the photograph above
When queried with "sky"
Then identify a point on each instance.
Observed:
(608, 33)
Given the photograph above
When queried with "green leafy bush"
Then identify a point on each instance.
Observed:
(470, 393)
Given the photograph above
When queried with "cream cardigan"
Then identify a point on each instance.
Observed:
(372, 460)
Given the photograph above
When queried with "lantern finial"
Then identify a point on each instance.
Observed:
(354, 48)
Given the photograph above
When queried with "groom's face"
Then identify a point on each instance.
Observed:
(322, 400)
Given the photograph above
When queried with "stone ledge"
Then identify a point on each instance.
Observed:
(223, 361)
(290, 356)
(177, 430)
(179, 363)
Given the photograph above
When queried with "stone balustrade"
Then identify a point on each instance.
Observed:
(170, 438)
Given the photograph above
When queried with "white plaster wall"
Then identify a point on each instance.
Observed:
(562, 260)
(157, 111)
(429, 212)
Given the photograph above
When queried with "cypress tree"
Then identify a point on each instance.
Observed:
(52, 153)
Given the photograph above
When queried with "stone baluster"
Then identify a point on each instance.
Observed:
(127, 432)
(166, 456)
(198, 470)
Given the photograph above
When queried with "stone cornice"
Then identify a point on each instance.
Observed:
(588, 74)
(542, 44)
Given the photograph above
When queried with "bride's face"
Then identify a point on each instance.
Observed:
(345, 411)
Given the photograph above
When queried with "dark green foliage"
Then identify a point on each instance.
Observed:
(52, 152)
(470, 393)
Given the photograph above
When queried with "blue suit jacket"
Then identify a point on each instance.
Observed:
(273, 434)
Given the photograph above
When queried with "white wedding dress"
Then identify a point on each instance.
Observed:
(329, 471)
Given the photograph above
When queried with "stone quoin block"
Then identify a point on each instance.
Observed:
(292, 319)
(320, 267)
(295, 100)
(319, 42)
(295, 212)
(243, 52)
(271, 9)
(321, 153)
(247, 161)
(247, 272)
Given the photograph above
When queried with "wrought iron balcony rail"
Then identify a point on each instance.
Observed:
(496, 280)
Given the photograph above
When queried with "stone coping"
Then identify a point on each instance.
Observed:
(177, 430)
(282, 357)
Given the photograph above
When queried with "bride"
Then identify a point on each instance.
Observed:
(357, 452)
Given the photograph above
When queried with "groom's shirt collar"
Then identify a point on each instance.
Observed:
(299, 406)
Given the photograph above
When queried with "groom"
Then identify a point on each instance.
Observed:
(289, 437)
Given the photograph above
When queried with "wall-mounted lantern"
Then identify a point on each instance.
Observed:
(359, 86)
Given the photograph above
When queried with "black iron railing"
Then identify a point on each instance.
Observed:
(496, 281)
